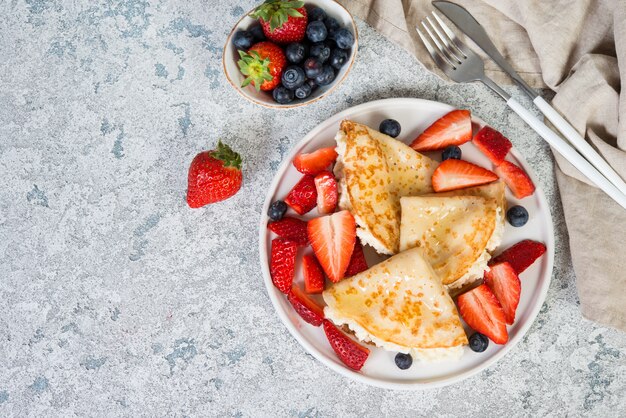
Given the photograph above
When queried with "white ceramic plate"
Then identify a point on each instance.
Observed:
(414, 115)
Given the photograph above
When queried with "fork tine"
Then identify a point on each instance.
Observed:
(439, 59)
(460, 46)
(453, 61)
(446, 41)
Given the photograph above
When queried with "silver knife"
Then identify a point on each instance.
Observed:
(470, 27)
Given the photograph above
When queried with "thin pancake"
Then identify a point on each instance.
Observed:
(399, 304)
(493, 190)
(454, 233)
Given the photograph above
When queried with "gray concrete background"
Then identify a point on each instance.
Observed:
(116, 299)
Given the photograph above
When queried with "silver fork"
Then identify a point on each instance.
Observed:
(463, 65)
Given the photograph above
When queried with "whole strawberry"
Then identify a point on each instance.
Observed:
(283, 21)
(213, 176)
(262, 65)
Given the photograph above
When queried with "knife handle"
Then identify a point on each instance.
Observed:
(579, 143)
(569, 153)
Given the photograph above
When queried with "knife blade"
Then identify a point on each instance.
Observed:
(470, 26)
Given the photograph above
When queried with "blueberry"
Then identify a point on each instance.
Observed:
(293, 77)
(326, 76)
(390, 127)
(321, 51)
(338, 57)
(312, 67)
(277, 210)
(257, 33)
(331, 24)
(316, 31)
(282, 95)
(517, 216)
(243, 40)
(317, 13)
(451, 152)
(295, 52)
(311, 82)
(344, 38)
(478, 342)
(303, 91)
(403, 361)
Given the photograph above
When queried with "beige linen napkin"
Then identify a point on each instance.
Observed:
(578, 49)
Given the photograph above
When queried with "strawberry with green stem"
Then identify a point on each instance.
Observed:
(262, 65)
(283, 21)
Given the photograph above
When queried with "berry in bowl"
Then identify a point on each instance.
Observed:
(287, 53)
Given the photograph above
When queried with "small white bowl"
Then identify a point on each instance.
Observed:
(235, 78)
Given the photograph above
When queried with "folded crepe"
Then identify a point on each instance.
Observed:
(374, 171)
(456, 232)
(399, 305)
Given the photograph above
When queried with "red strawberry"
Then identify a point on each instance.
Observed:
(292, 229)
(454, 128)
(283, 21)
(313, 274)
(303, 197)
(357, 261)
(327, 196)
(310, 311)
(504, 283)
(349, 352)
(332, 238)
(315, 162)
(518, 181)
(481, 311)
(521, 255)
(493, 144)
(262, 65)
(283, 263)
(457, 174)
(213, 176)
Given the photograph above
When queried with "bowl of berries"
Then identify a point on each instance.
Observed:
(289, 53)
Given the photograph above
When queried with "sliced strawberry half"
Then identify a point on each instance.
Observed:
(303, 197)
(327, 195)
(313, 274)
(504, 283)
(291, 228)
(481, 310)
(493, 144)
(357, 261)
(457, 174)
(516, 178)
(310, 311)
(521, 255)
(332, 238)
(349, 352)
(283, 263)
(454, 128)
(315, 162)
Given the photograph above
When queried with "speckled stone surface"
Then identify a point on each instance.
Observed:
(116, 299)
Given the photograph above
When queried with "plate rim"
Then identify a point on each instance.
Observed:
(357, 376)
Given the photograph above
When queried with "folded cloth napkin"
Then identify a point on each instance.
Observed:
(578, 49)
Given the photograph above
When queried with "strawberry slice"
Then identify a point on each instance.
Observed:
(291, 228)
(332, 238)
(313, 275)
(493, 144)
(521, 255)
(316, 161)
(516, 178)
(357, 261)
(457, 174)
(481, 310)
(303, 197)
(349, 352)
(454, 128)
(310, 311)
(504, 283)
(327, 196)
(283, 263)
